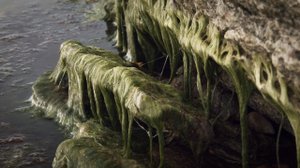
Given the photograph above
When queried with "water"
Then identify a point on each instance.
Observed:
(30, 34)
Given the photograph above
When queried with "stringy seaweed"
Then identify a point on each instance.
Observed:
(193, 38)
(103, 86)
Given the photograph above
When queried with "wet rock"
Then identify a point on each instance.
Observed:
(260, 124)
(71, 152)
(187, 122)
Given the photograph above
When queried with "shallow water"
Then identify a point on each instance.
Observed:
(30, 34)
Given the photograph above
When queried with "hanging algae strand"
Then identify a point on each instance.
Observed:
(243, 89)
(164, 31)
(132, 92)
(201, 41)
(196, 36)
(164, 40)
(271, 84)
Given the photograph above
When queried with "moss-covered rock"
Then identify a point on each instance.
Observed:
(93, 146)
(103, 87)
(197, 34)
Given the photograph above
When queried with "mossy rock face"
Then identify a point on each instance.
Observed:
(86, 153)
(270, 28)
(93, 146)
(98, 85)
(201, 36)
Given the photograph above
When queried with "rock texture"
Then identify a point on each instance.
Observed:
(268, 27)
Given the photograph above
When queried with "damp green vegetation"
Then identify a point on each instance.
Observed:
(93, 146)
(274, 89)
(101, 145)
(102, 98)
(161, 28)
(93, 84)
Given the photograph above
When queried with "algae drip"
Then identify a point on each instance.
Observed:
(187, 36)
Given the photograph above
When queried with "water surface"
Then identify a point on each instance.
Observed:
(30, 34)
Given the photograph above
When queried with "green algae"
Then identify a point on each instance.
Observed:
(54, 106)
(103, 87)
(93, 146)
(158, 28)
(192, 37)
(271, 84)
(199, 40)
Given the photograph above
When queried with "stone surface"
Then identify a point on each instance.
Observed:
(270, 28)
